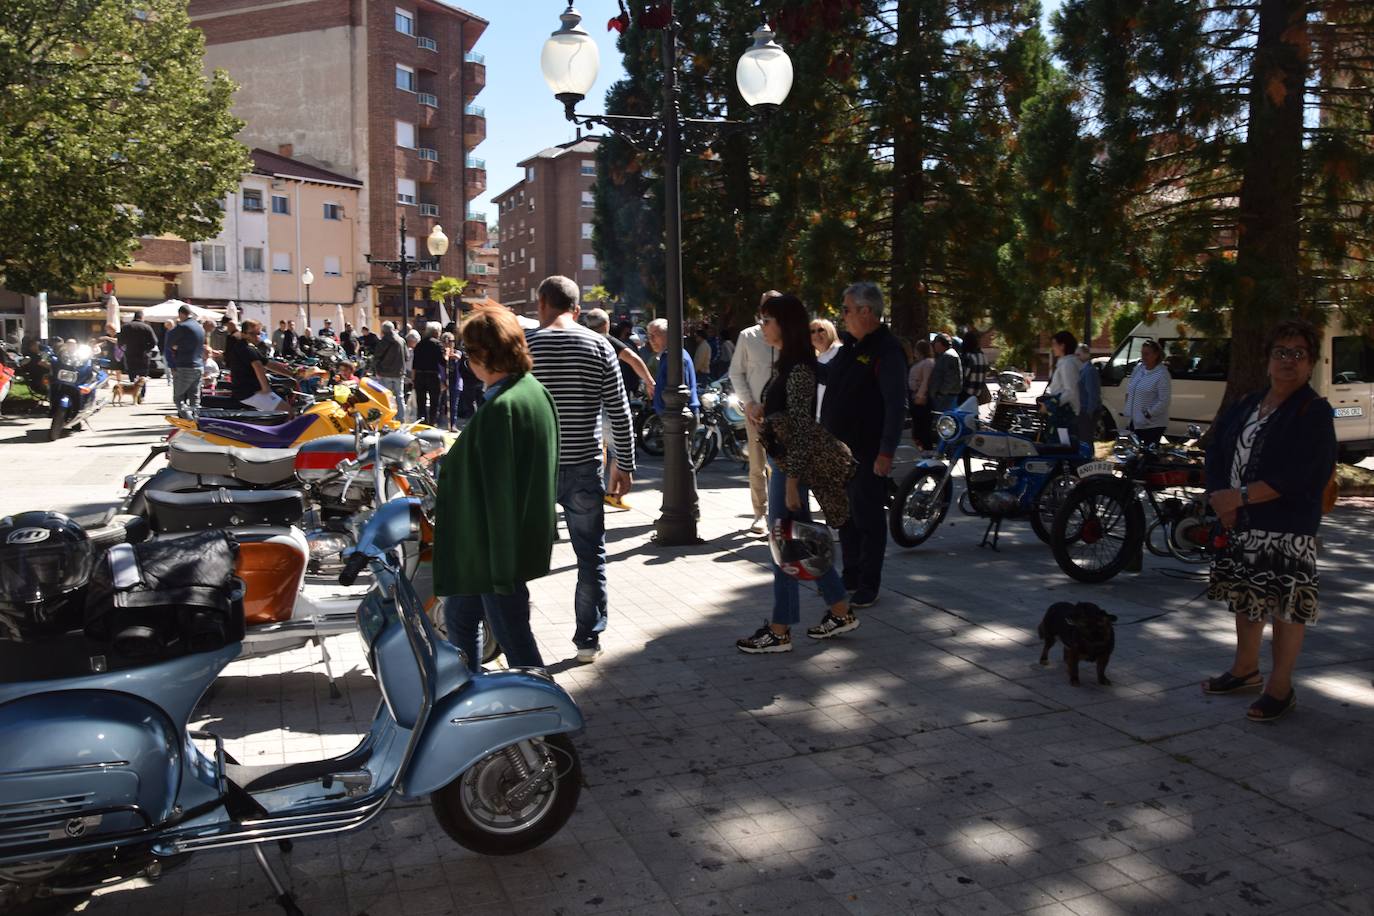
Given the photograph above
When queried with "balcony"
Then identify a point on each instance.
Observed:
(474, 163)
(429, 209)
(475, 231)
(474, 74)
(476, 182)
(426, 154)
(477, 270)
(428, 98)
(427, 43)
(474, 128)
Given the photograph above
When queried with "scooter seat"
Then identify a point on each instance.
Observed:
(250, 434)
(261, 466)
(202, 511)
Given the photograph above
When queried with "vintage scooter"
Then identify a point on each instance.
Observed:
(102, 779)
(74, 392)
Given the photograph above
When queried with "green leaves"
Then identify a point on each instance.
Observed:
(110, 132)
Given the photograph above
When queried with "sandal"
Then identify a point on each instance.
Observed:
(1267, 708)
(1229, 683)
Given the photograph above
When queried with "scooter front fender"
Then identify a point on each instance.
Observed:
(482, 716)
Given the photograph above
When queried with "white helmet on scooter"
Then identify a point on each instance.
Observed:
(803, 550)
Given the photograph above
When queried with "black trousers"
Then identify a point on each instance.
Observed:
(426, 396)
(863, 539)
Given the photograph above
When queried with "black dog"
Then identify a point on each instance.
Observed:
(1086, 632)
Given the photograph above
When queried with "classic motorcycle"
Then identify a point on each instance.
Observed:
(1015, 477)
(1100, 527)
(103, 781)
(74, 390)
(722, 427)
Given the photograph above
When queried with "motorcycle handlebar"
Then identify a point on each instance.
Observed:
(352, 568)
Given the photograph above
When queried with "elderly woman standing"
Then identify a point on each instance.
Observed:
(494, 521)
(1148, 393)
(1271, 457)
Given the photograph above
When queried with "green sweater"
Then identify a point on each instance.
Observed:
(494, 523)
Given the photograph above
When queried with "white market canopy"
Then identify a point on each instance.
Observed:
(164, 311)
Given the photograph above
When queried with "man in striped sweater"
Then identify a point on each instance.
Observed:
(579, 369)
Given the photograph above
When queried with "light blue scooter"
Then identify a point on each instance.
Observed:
(101, 780)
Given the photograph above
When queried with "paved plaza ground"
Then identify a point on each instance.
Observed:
(921, 764)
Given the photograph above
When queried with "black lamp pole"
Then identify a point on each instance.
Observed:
(403, 267)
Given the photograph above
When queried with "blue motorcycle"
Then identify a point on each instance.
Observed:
(74, 389)
(1015, 476)
(102, 780)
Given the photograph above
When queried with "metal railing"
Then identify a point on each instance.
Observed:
(473, 57)
(424, 152)
(476, 111)
(479, 217)
(429, 209)
(474, 163)
(429, 44)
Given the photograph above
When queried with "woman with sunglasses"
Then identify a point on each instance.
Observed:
(1271, 458)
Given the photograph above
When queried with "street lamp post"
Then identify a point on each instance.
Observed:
(405, 265)
(307, 280)
(569, 62)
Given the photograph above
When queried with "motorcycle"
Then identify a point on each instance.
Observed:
(1100, 527)
(74, 390)
(103, 781)
(648, 426)
(722, 427)
(1017, 477)
(339, 414)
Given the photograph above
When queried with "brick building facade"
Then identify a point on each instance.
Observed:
(380, 90)
(546, 223)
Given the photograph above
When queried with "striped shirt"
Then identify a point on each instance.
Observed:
(579, 369)
(1148, 393)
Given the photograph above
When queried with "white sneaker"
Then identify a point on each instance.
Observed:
(588, 655)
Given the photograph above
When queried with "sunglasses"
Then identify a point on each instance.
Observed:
(765, 319)
(1284, 354)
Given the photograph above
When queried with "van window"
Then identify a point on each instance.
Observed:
(1122, 361)
(1352, 361)
(1197, 359)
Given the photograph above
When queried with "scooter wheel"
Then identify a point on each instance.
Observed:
(476, 813)
(58, 428)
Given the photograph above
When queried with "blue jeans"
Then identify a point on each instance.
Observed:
(397, 387)
(509, 619)
(786, 589)
(581, 493)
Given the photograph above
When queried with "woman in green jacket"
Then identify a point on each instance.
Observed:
(494, 523)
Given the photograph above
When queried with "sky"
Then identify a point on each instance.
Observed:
(523, 117)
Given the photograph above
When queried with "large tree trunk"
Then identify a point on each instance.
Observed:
(1267, 264)
(910, 301)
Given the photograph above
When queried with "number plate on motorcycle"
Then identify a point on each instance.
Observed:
(66, 375)
(1349, 411)
(1096, 468)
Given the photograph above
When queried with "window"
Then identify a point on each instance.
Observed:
(252, 260)
(212, 258)
(587, 200)
(1352, 361)
(405, 21)
(534, 296)
(332, 267)
(405, 78)
(281, 262)
(531, 265)
(589, 262)
(333, 211)
(405, 191)
(252, 200)
(1198, 359)
(529, 173)
(531, 203)
(522, 254)
(281, 204)
(410, 246)
(586, 230)
(531, 232)
(589, 168)
(405, 134)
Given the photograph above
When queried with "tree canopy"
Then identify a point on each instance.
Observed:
(110, 132)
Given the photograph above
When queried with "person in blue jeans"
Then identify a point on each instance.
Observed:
(795, 438)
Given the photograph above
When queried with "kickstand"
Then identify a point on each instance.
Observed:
(995, 529)
(324, 657)
(284, 897)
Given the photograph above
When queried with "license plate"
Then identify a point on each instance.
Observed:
(1096, 468)
(66, 375)
(1349, 411)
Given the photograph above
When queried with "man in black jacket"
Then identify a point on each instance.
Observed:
(865, 400)
(424, 364)
(139, 341)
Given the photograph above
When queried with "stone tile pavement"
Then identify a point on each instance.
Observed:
(922, 764)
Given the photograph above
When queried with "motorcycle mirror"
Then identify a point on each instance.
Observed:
(1194, 431)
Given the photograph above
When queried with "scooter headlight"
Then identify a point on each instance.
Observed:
(947, 427)
(412, 455)
(83, 354)
(709, 400)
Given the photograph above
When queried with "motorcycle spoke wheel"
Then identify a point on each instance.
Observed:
(917, 510)
(1047, 504)
(1096, 532)
(478, 810)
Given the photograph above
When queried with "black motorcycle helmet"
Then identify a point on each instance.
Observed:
(45, 558)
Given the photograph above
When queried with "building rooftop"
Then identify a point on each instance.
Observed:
(587, 144)
(278, 166)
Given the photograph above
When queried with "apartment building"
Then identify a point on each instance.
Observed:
(286, 216)
(378, 90)
(484, 268)
(545, 223)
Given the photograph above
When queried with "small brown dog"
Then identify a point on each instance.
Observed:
(119, 387)
(1086, 632)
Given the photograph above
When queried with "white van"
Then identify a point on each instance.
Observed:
(1198, 365)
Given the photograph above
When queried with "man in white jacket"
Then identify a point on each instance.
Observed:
(751, 367)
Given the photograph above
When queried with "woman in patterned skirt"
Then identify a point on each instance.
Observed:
(1267, 469)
